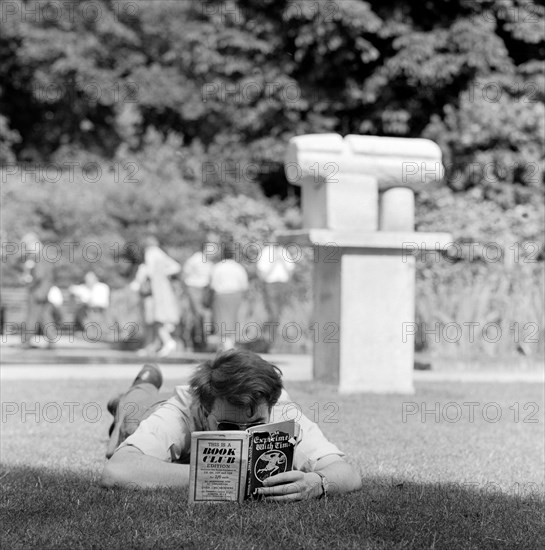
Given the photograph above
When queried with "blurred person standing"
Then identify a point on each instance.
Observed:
(165, 310)
(39, 275)
(228, 283)
(196, 279)
(142, 286)
(196, 276)
(274, 269)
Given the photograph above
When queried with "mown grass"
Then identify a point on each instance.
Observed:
(426, 484)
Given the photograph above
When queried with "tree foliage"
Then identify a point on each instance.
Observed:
(203, 96)
(247, 74)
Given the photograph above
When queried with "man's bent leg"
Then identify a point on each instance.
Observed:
(135, 405)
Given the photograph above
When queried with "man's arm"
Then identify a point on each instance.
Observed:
(340, 477)
(129, 467)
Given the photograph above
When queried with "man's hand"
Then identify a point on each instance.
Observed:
(294, 485)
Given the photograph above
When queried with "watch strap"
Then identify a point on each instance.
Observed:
(324, 485)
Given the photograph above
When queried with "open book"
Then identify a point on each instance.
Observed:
(231, 465)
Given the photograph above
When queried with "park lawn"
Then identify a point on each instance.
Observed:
(427, 482)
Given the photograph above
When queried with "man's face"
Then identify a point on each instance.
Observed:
(225, 416)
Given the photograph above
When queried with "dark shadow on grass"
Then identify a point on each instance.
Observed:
(60, 509)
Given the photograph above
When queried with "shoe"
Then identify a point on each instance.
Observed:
(167, 349)
(149, 374)
(113, 403)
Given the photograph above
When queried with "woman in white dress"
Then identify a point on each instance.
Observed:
(164, 307)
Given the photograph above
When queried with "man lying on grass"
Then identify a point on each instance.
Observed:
(151, 437)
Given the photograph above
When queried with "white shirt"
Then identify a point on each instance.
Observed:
(197, 271)
(274, 265)
(96, 296)
(228, 276)
(166, 433)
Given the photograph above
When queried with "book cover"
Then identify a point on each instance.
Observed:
(231, 465)
(271, 450)
(218, 466)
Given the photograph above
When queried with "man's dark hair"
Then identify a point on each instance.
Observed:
(241, 377)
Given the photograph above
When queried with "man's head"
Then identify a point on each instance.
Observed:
(90, 279)
(237, 387)
(150, 240)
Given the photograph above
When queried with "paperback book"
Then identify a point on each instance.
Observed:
(232, 465)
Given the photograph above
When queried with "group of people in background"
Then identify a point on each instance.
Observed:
(45, 298)
(213, 283)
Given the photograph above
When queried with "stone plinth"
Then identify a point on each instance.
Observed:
(363, 290)
(358, 215)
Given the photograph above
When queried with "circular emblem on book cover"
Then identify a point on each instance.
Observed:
(269, 464)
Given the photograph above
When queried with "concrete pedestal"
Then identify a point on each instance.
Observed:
(358, 214)
(363, 288)
(377, 299)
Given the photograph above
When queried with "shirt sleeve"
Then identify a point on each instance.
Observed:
(171, 266)
(165, 434)
(313, 444)
(312, 447)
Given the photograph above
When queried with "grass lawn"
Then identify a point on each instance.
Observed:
(463, 479)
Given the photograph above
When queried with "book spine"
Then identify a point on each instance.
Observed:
(193, 470)
(248, 488)
(245, 465)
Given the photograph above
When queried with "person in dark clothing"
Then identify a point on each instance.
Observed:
(40, 277)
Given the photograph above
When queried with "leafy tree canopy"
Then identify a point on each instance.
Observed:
(203, 96)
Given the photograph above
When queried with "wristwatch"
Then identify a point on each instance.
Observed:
(324, 485)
